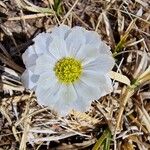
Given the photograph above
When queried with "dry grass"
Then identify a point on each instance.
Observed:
(119, 121)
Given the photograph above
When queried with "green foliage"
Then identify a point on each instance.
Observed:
(57, 6)
(104, 141)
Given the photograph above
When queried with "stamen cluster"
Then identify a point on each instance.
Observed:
(68, 70)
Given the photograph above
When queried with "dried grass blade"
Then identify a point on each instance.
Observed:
(11, 64)
(141, 65)
(144, 117)
(33, 8)
(6, 86)
(129, 91)
(108, 29)
(119, 77)
(54, 138)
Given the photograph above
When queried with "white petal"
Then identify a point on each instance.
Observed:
(86, 91)
(92, 38)
(75, 40)
(44, 63)
(108, 87)
(41, 43)
(61, 31)
(48, 96)
(68, 93)
(79, 28)
(87, 53)
(104, 63)
(29, 57)
(64, 108)
(58, 48)
(39, 47)
(93, 78)
(81, 104)
(61, 108)
(47, 79)
(104, 49)
(29, 79)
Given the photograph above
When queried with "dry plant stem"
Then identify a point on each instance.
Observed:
(5, 114)
(31, 7)
(54, 138)
(4, 51)
(129, 91)
(79, 19)
(15, 133)
(10, 71)
(9, 80)
(101, 15)
(7, 86)
(73, 131)
(15, 99)
(68, 13)
(11, 64)
(132, 51)
(3, 5)
(135, 16)
(26, 129)
(30, 115)
(137, 123)
(25, 134)
(108, 29)
(29, 16)
(145, 118)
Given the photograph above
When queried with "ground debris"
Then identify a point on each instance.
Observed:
(125, 26)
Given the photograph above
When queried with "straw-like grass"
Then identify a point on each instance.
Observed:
(118, 121)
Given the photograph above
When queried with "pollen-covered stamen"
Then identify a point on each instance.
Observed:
(68, 70)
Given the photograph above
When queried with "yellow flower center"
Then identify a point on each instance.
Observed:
(68, 70)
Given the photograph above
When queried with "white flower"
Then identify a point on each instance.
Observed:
(68, 68)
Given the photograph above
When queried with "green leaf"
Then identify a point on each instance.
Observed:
(57, 6)
(103, 141)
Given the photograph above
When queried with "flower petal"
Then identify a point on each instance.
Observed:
(29, 79)
(104, 63)
(48, 96)
(92, 38)
(87, 53)
(57, 48)
(47, 79)
(68, 93)
(75, 40)
(44, 63)
(61, 31)
(80, 104)
(29, 57)
(61, 108)
(41, 43)
(33, 51)
(87, 91)
(108, 87)
(104, 48)
(93, 78)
